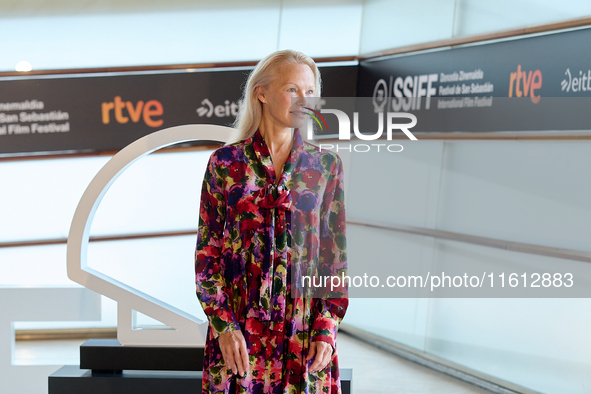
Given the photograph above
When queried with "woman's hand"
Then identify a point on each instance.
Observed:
(323, 352)
(234, 352)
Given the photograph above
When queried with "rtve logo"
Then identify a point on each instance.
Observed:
(147, 111)
(529, 81)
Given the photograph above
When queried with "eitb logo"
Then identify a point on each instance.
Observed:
(390, 119)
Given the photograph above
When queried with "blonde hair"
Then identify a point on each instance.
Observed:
(250, 113)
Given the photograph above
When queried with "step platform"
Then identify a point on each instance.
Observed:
(110, 356)
(108, 367)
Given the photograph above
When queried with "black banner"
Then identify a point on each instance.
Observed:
(537, 83)
(107, 112)
(540, 83)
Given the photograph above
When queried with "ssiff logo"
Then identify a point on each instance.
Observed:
(406, 93)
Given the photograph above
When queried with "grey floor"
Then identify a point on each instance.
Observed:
(377, 371)
(374, 370)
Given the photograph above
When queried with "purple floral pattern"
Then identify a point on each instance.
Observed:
(256, 235)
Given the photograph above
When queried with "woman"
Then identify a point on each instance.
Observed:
(272, 210)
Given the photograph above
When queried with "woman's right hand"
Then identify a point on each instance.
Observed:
(234, 351)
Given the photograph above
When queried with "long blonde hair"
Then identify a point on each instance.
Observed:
(250, 113)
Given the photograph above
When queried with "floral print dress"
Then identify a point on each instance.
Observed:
(257, 236)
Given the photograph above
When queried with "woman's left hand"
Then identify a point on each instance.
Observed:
(323, 352)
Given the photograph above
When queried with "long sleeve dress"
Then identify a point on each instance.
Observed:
(257, 238)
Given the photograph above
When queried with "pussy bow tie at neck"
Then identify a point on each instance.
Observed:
(272, 198)
(274, 201)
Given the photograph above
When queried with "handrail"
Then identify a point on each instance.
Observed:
(569, 254)
(540, 250)
(103, 238)
(163, 68)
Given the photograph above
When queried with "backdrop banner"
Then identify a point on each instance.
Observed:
(540, 83)
(534, 84)
(106, 112)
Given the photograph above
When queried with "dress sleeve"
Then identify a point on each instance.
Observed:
(329, 310)
(212, 291)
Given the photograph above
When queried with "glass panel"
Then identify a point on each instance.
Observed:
(523, 191)
(38, 197)
(161, 267)
(160, 192)
(201, 33)
(392, 24)
(397, 23)
(535, 194)
(477, 16)
(41, 266)
(321, 28)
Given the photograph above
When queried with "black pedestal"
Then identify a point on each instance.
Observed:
(107, 367)
(108, 355)
(70, 379)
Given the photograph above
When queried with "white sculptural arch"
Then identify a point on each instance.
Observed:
(187, 330)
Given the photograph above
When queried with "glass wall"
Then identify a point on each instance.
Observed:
(533, 195)
(73, 35)
(159, 193)
(478, 16)
(531, 192)
(397, 23)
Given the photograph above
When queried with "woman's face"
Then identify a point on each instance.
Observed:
(293, 80)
